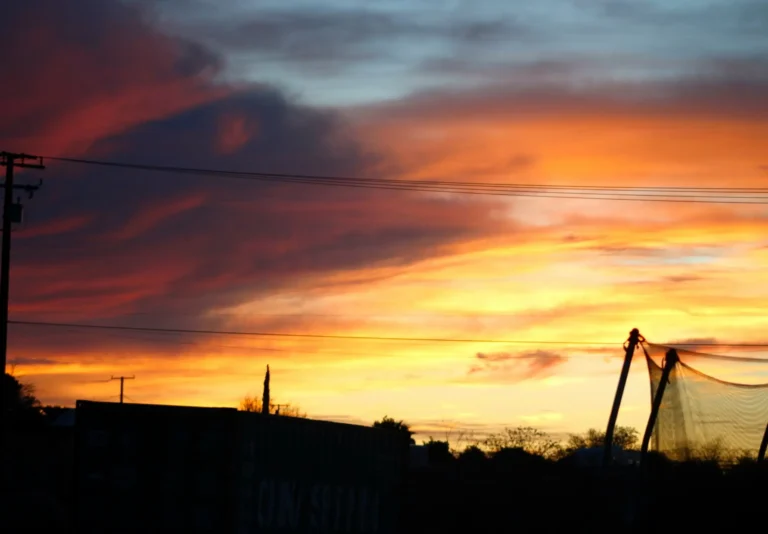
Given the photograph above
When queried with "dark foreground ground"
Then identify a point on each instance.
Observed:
(532, 495)
(512, 493)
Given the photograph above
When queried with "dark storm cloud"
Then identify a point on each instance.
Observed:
(531, 70)
(738, 16)
(483, 39)
(80, 74)
(317, 33)
(334, 37)
(171, 243)
(163, 249)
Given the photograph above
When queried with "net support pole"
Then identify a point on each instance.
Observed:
(670, 360)
(629, 352)
(763, 445)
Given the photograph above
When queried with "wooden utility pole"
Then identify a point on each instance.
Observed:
(11, 214)
(122, 380)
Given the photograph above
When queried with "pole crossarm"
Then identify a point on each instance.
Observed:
(122, 380)
(20, 160)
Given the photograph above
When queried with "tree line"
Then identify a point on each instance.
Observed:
(535, 442)
(531, 440)
(22, 407)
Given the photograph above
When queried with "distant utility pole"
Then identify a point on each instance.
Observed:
(122, 380)
(12, 213)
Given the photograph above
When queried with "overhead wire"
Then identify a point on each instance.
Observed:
(299, 335)
(365, 338)
(711, 195)
(684, 194)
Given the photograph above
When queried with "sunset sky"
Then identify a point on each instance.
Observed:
(579, 92)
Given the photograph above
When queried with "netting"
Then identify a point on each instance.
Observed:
(702, 417)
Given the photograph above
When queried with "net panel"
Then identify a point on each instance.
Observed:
(703, 418)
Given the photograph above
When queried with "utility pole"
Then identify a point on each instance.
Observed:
(11, 214)
(122, 380)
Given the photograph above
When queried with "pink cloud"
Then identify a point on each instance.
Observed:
(92, 72)
(54, 227)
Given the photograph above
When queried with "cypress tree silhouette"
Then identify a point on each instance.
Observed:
(265, 396)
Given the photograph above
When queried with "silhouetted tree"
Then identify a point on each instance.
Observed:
(516, 459)
(439, 452)
(250, 404)
(472, 456)
(398, 426)
(288, 410)
(624, 437)
(716, 452)
(21, 406)
(529, 439)
(253, 404)
(463, 439)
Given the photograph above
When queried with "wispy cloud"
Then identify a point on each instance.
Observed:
(515, 367)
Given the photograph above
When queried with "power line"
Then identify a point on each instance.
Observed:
(247, 174)
(359, 338)
(675, 194)
(759, 312)
(122, 380)
(299, 335)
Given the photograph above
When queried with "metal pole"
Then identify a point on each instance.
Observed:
(763, 445)
(6, 265)
(629, 346)
(670, 360)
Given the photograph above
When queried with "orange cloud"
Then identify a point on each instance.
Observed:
(649, 135)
